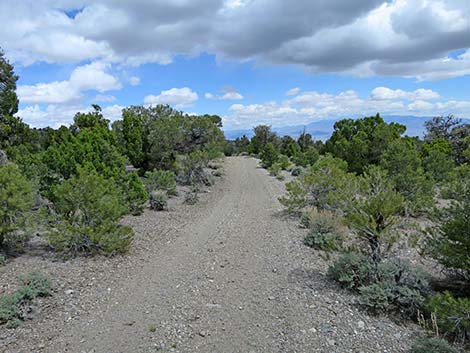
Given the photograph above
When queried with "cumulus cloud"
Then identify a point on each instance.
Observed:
(228, 93)
(311, 106)
(385, 93)
(134, 81)
(83, 78)
(412, 38)
(293, 91)
(178, 97)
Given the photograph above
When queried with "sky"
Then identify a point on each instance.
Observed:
(252, 62)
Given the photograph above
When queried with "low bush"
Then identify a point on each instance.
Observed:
(296, 171)
(88, 209)
(392, 286)
(274, 169)
(432, 345)
(158, 200)
(283, 162)
(352, 271)
(13, 308)
(217, 173)
(191, 169)
(161, 180)
(451, 315)
(192, 196)
(325, 230)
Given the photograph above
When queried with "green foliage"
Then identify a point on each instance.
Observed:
(191, 169)
(432, 345)
(89, 208)
(403, 164)
(134, 193)
(275, 169)
(309, 157)
(262, 136)
(352, 271)
(8, 98)
(373, 210)
(450, 242)
(451, 315)
(16, 199)
(158, 200)
(269, 155)
(12, 307)
(325, 185)
(324, 234)
(133, 135)
(390, 286)
(361, 142)
(161, 180)
(283, 161)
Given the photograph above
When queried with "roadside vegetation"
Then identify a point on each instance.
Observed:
(71, 186)
(366, 194)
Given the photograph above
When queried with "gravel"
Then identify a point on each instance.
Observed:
(229, 274)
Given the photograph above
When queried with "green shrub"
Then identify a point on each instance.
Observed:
(325, 232)
(158, 200)
(393, 286)
(89, 208)
(134, 192)
(3, 260)
(218, 173)
(274, 169)
(269, 155)
(191, 168)
(451, 315)
(161, 180)
(12, 307)
(432, 345)
(283, 162)
(325, 185)
(352, 271)
(16, 199)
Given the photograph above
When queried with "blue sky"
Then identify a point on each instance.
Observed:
(249, 61)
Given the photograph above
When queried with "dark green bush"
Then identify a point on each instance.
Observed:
(161, 180)
(283, 162)
(275, 169)
(16, 199)
(134, 192)
(158, 200)
(89, 208)
(452, 315)
(432, 345)
(269, 155)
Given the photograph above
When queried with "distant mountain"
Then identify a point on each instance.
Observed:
(322, 130)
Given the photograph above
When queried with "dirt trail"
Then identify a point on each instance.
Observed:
(232, 276)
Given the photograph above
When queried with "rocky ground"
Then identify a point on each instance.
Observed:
(229, 274)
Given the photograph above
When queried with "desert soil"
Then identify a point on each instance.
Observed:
(229, 274)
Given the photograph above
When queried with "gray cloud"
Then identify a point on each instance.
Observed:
(362, 37)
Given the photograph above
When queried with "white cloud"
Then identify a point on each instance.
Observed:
(179, 97)
(83, 78)
(312, 106)
(293, 91)
(104, 98)
(228, 93)
(134, 81)
(385, 93)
